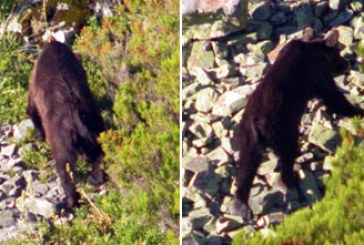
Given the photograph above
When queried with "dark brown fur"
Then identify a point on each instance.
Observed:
(304, 70)
(64, 113)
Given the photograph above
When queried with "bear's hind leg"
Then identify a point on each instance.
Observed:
(94, 155)
(32, 112)
(64, 155)
(248, 164)
(287, 150)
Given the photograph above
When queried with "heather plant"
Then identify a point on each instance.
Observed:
(15, 69)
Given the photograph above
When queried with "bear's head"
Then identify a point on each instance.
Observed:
(328, 53)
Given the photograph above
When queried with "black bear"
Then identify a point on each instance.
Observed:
(303, 70)
(64, 113)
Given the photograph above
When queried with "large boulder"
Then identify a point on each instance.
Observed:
(204, 19)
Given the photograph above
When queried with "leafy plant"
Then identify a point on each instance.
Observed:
(15, 70)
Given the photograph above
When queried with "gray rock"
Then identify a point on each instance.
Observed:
(359, 28)
(214, 240)
(202, 76)
(206, 183)
(205, 99)
(203, 19)
(10, 164)
(9, 150)
(37, 206)
(357, 6)
(320, 8)
(221, 50)
(309, 186)
(278, 18)
(325, 138)
(190, 90)
(39, 188)
(227, 206)
(201, 130)
(303, 16)
(186, 227)
(30, 175)
(341, 18)
(199, 217)
(346, 35)
(253, 72)
(218, 156)
(199, 57)
(267, 166)
(262, 11)
(229, 103)
(225, 224)
(337, 4)
(8, 217)
(21, 130)
(198, 164)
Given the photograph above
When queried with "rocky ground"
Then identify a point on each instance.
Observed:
(25, 197)
(218, 77)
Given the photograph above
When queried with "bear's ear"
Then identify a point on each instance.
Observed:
(332, 38)
(307, 34)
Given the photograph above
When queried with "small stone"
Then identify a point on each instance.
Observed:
(341, 18)
(206, 183)
(194, 198)
(358, 25)
(309, 186)
(219, 129)
(225, 70)
(214, 240)
(227, 205)
(9, 217)
(337, 4)
(198, 164)
(320, 8)
(346, 35)
(9, 150)
(201, 76)
(199, 57)
(325, 138)
(357, 6)
(11, 163)
(190, 90)
(221, 50)
(22, 129)
(269, 219)
(37, 206)
(267, 167)
(199, 217)
(205, 100)
(201, 130)
(224, 224)
(229, 103)
(278, 19)
(264, 31)
(261, 11)
(39, 188)
(218, 156)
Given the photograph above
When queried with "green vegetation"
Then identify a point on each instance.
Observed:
(132, 63)
(15, 69)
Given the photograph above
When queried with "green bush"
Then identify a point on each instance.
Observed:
(15, 70)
